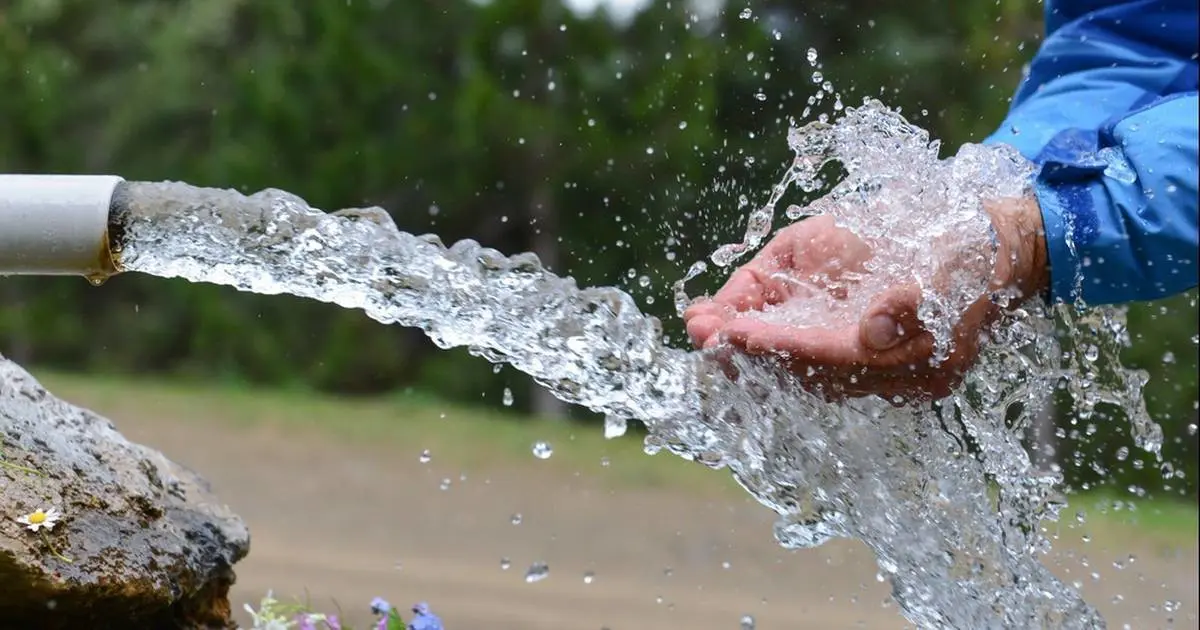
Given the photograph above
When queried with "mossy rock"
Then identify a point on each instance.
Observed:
(142, 542)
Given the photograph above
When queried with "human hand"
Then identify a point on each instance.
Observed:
(859, 345)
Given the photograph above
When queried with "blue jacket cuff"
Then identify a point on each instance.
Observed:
(1056, 201)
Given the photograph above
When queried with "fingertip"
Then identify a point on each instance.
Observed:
(752, 336)
(892, 318)
(738, 330)
(881, 332)
(702, 327)
(701, 307)
(746, 290)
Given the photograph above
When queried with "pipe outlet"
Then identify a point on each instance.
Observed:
(56, 225)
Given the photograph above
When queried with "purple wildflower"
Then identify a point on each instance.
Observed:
(304, 621)
(332, 622)
(424, 619)
(379, 606)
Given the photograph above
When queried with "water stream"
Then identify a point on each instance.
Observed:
(943, 492)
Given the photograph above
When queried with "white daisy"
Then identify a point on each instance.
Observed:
(41, 518)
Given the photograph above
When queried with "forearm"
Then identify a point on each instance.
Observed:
(1108, 111)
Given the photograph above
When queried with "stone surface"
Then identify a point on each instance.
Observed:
(148, 543)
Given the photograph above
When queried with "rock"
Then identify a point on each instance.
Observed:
(149, 546)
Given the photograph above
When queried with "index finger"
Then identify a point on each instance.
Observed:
(747, 289)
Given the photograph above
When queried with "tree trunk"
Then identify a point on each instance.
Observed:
(542, 210)
(543, 222)
(12, 297)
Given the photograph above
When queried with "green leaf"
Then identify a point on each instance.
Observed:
(394, 621)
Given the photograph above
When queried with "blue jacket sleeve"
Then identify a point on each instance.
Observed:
(1109, 111)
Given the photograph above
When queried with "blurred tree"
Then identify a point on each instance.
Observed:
(618, 150)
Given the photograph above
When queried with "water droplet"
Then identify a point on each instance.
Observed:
(445, 485)
(1168, 357)
(614, 427)
(542, 450)
(589, 577)
(760, 96)
(746, 13)
(537, 572)
(794, 212)
(683, 124)
(593, 346)
(507, 397)
(817, 77)
(747, 622)
(811, 55)
(425, 456)
(505, 564)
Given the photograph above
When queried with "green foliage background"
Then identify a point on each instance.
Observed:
(615, 150)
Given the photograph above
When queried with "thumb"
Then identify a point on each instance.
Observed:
(891, 318)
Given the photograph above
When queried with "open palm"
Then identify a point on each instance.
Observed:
(839, 346)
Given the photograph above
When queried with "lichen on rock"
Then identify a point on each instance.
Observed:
(141, 541)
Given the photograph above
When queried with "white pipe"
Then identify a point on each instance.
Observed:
(56, 225)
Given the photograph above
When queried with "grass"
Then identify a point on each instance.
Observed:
(476, 437)
(1163, 521)
(482, 438)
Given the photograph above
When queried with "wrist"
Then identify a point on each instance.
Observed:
(1021, 269)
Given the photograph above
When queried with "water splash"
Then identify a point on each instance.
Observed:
(942, 492)
(537, 572)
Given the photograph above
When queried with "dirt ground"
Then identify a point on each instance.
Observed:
(348, 523)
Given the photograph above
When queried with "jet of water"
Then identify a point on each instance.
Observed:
(942, 492)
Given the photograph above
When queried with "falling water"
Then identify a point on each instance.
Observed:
(942, 492)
